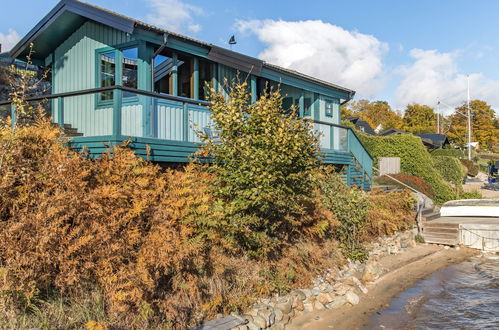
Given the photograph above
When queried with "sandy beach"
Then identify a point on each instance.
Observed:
(404, 270)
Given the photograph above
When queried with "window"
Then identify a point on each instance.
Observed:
(130, 69)
(329, 108)
(163, 72)
(205, 79)
(107, 63)
(184, 69)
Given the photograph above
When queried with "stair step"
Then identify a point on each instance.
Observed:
(441, 235)
(436, 240)
(430, 230)
(431, 216)
(441, 225)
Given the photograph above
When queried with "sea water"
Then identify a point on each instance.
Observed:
(461, 296)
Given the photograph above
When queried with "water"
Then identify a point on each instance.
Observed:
(462, 296)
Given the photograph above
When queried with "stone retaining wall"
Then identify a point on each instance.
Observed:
(335, 288)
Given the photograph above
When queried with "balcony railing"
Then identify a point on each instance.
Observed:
(127, 112)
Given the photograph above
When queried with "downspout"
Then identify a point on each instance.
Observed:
(159, 50)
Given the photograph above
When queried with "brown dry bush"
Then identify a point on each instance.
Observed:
(388, 213)
(154, 243)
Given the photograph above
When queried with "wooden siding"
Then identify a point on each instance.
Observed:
(74, 69)
(168, 119)
(199, 118)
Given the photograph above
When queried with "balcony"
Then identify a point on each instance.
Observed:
(168, 125)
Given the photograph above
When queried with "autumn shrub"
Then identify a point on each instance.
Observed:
(349, 207)
(450, 168)
(158, 245)
(470, 165)
(414, 160)
(263, 161)
(410, 180)
(388, 213)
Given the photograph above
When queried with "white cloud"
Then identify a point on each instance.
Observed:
(174, 15)
(322, 50)
(434, 75)
(9, 39)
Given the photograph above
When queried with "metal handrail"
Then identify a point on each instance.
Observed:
(419, 206)
(155, 95)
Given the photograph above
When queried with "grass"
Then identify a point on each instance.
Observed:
(61, 312)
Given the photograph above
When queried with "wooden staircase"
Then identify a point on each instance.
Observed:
(441, 233)
(70, 131)
(438, 232)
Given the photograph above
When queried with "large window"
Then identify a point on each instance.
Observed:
(185, 77)
(163, 73)
(205, 79)
(107, 64)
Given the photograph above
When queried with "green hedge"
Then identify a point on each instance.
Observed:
(414, 160)
(450, 168)
(448, 152)
(472, 168)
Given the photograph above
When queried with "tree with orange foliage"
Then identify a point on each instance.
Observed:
(484, 125)
(376, 113)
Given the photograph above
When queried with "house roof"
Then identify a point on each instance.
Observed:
(392, 131)
(437, 140)
(76, 12)
(362, 125)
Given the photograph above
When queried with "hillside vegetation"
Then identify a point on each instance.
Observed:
(118, 242)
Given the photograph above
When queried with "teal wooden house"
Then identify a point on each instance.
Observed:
(115, 78)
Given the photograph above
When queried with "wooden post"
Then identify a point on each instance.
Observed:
(117, 103)
(302, 104)
(60, 112)
(13, 116)
(215, 77)
(195, 77)
(253, 89)
(185, 123)
(175, 75)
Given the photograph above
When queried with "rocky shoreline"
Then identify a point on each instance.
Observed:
(334, 289)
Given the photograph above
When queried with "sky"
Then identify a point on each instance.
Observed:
(397, 51)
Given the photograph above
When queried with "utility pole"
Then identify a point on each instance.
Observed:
(469, 119)
(438, 116)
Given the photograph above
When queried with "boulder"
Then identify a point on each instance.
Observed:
(338, 301)
(308, 307)
(285, 307)
(260, 322)
(278, 315)
(352, 298)
(324, 298)
(268, 315)
(318, 306)
(299, 294)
